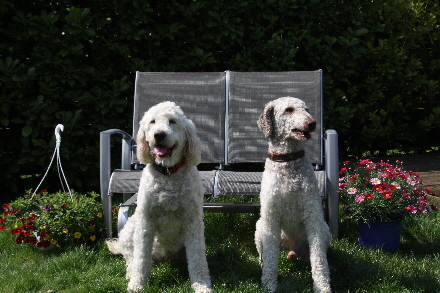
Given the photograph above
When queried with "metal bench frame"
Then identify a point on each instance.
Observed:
(327, 160)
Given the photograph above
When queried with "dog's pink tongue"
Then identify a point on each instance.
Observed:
(160, 151)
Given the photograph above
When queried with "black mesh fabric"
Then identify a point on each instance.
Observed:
(250, 91)
(201, 96)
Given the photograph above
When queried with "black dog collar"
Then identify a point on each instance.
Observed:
(286, 157)
(168, 171)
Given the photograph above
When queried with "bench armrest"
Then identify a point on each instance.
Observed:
(105, 159)
(332, 170)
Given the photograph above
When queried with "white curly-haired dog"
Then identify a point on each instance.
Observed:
(169, 213)
(291, 209)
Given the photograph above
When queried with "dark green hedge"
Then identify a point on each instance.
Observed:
(73, 62)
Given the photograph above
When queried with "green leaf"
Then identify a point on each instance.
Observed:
(5, 121)
(15, 77)
(361, 31)
(26, 131)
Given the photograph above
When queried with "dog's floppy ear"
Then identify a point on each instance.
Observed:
(265, 123)
(143, 149)
(193, 148)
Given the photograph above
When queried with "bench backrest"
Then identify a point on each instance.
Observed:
(225, 107)
(200, 95)
(250, 91)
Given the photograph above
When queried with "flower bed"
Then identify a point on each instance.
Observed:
(379, 191)
(54, 220)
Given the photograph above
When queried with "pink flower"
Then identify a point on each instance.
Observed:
(351, 190)
(359, 198)
(341, 186)
(375, 181)
(405, 194)
(412, 209)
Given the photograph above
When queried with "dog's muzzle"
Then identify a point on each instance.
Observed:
(160, 149)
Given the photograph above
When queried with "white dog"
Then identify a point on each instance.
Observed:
(169, 213)
(290, 203)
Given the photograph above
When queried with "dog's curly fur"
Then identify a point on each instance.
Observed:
(291, 209)
(169, 213)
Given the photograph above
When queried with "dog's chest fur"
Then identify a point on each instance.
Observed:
(169, 193)
(288, 184)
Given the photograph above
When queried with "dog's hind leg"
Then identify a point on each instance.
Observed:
(125, 240)
(259, 241)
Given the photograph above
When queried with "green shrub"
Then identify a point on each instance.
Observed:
(74, 63)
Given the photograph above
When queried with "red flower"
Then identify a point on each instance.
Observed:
(93, 223)
(413, 173)
(2, 228)
(428, 191)
(12, 231)
(26, 233)
(6, 213)
(19, 240)
(342, 170)
(43, 191)
(32, 240)
(352, 178)
(5, 206)
(387, 194)
(43, 244)
(369, 196)
(43, 234)
(1, 220)
(64, 206)
(377, 187)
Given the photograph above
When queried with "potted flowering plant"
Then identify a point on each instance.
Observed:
(56, 220)
(381, 193)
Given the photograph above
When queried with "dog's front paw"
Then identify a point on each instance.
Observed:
(134, 287)
(270, 286)
(199, 288)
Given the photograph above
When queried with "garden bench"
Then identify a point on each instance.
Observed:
(225, 107)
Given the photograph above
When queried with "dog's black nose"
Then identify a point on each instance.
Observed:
(160, 135)
(312, 126)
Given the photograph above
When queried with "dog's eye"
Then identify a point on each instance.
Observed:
(152, 121)
(172, 121)
(289, 110)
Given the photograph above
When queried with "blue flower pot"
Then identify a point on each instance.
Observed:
(382, 235)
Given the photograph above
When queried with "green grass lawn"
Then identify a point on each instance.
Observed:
(233, 263)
